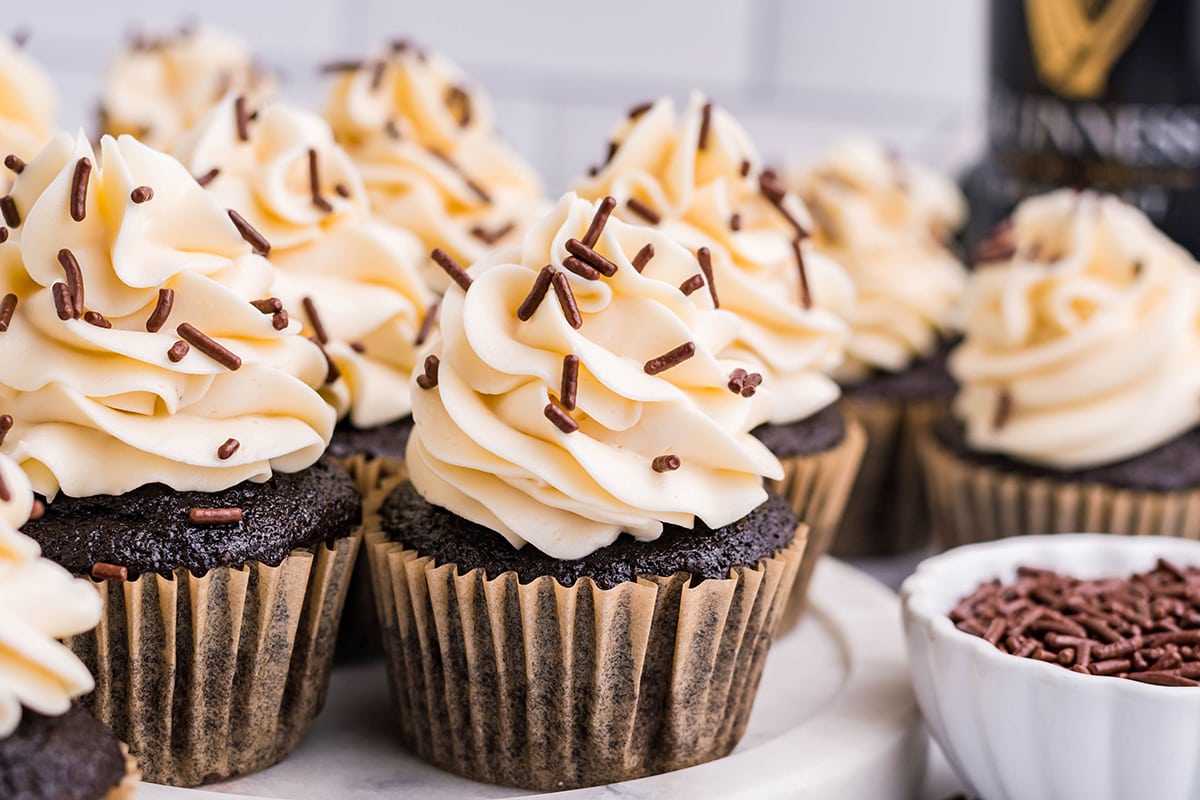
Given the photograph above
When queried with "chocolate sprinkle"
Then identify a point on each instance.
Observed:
(640, 109)
(561, 419)
(141, 194)
(268, 305)
(378, 70)
(8, 207)
(209, 346)
(744, 383)
(228, 448)
(599, 220)
(6, 423)
(62, 301)
(537, 293)
(459, 103)
(431, 315)
(3, 235)
(471, 184)
(178, 351)
(314, 319)
(70, 266)
(735, 223)
(705, 125)
(671, 358)
(314, 183)
(744, 170)
(705, 258)
(97, 319)
(591, 257)
(491, 237)
(5, 494)
(332, 373)
(451, 268)
(279, 320)
(569, 387)
(102, 571)
(248, 232)
(241, 118)
(14, 163)
(805, 294)
(430, 378)
(666, 463)
(208, 177)
(768, 183)
(214, 516)
(643, 210)
(341, 190)
(566, 299)
(7, 307)
(692, 284)
(585, 271)
(79, 185)
(358, 347)
(1004, 407)
(341, 66)
(643, 257)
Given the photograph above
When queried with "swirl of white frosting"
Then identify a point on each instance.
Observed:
(886, 221)
(104, 389)
(28, 106)
(39, 603)
(1084, 348)
(697, 191)
(158, 88)
(426, 143)
(484, 447)
(360, 276)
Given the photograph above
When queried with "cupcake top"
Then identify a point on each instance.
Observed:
(887, 221)
(352, 281)
(698, 178)
(28, 107)
(138, 330)
(157, 88)
(1082, 346)
(41, 603)
(425, 140)
(568, 404)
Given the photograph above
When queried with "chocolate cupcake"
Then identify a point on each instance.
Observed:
(888, 221)
(424, 137)
(586, 538)
(697, 177)
(50, 748)
(1079, 382)
(28, 108)
(172, 426)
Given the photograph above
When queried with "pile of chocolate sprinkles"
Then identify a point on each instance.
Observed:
(1145, 628)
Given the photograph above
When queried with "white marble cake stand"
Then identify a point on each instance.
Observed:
(835, 720)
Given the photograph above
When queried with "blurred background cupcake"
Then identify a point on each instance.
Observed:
(28, 108)
(890, 224)
(1079, 375)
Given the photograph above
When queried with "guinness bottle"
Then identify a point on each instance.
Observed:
(1093, 93)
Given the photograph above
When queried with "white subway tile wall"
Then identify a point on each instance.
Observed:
(797, 72)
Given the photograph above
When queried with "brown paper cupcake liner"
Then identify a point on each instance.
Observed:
(547, 687)
(370, 473)
(888, 511)
(817, 487)
(127, 788)
(979, 503)
(208, 677)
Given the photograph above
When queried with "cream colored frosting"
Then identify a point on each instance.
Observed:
(484, 448)
(1084, 348)
(361, 276)
(28, 107)
(156, 89)
(39, 603)
(658, 160)
(83, 395)
(886, 221)
(425, 140)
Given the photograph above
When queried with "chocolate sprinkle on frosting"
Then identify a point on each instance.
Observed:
(178, 351)
(268, 305)
(805, 294)
(561, 419)
(431, 315)
(7, 307)
(62, 301)
(569, 387)
(314, 319)
(692, 284)
(471, 184)
(591, 257)
(599, 220)
(3, 235)
(14, 163)
(70, 266)
(1004, 408)
(378, 70)
(735, 222)
(451, 268)
(566, 299)
(705, 125)
(5, 494)
(314, 183)
(769, 184)
(250, 234)
(214, 516)
(228, 448)
(643, 257)
(537, 293)
(341, 66)
(241, 118)
(459, 103)
(491, 237)
(8, 208)
(6, 423)
(79, 184)
(705, 258)
(585, 271)
(643, 210)
(279, 320)
(332, 373)
(208, 177)
(671, 358)
(102, 571)
(209, 346)
(745, 168)
(666, 463)
(341, 190)
(141, 194)
(97, 319)
(744, 383)
(358, 347)
(640, 109)
(430, 378)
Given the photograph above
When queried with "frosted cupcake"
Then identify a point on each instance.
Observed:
(424, 137)
(1080, 368)
(159, 86)
(28, 107)
(49, 747)
(586, 537)
(697, 177)
(888, 221)
(172, 426)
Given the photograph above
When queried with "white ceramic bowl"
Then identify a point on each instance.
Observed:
(1019, 729)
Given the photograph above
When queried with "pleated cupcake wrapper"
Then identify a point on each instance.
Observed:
(127, 788)
(373, 473)
(546, 687)
(215, 676)
(978, 503)
(817, 487)
(887, 512)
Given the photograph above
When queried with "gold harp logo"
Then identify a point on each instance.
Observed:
(1077, 42)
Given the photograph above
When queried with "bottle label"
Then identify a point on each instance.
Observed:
(1075, 43)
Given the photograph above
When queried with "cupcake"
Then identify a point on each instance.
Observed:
(697, 177)
(584, 576)
(1080, 368)
(888, 221)
(49, 746)
(173, 427)
(425, 140)
(159, 86)
(28, 107)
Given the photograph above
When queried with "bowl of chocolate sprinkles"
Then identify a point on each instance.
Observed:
(1062, 666)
